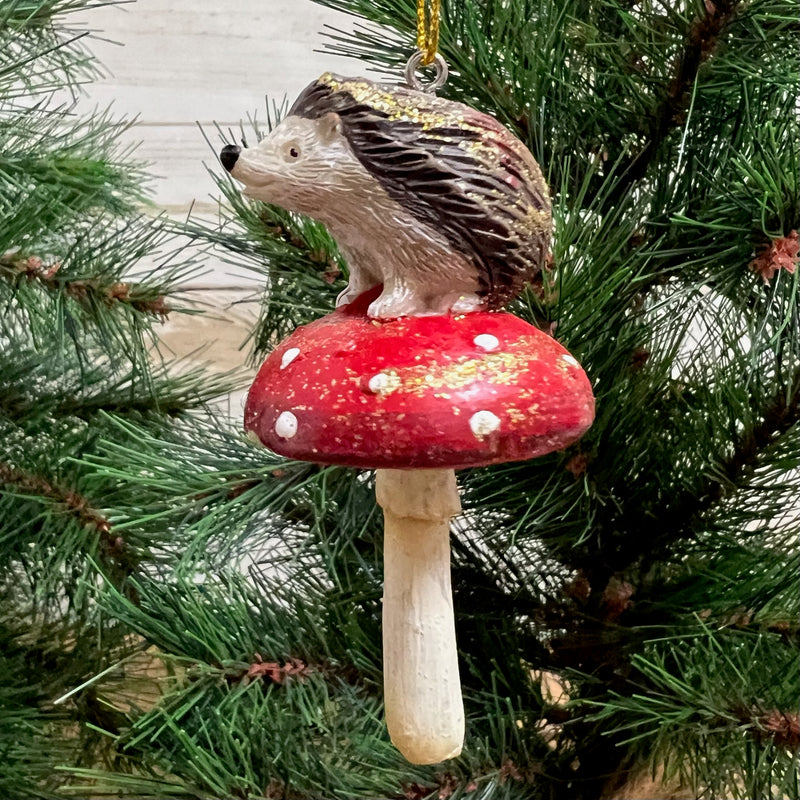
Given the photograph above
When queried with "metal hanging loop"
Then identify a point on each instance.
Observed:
(439, 80)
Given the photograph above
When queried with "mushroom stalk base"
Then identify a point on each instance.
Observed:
(422, 690)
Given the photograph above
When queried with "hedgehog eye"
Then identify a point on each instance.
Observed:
(291, 151)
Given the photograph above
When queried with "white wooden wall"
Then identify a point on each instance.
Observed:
(175, 63)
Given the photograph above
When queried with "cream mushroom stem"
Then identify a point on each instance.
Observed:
(422, 690)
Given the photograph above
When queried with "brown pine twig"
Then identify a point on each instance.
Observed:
(121, 559)
(76, 504)
(702, 39)
(34, 270)
(782, 727)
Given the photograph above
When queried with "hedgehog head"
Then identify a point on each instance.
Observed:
(291, 167)
(455, 175)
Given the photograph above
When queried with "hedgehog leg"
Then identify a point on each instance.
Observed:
(400, 298)
(458, 303)
(360, 281)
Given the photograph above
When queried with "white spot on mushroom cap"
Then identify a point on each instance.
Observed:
(482, 423)
(486, 342)
(383, 383)
(286, 425)
(289, 356)
(571, 360)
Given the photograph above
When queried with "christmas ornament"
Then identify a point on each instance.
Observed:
(442, 216)
(435, 201)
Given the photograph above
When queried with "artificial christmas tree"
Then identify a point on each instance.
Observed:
(629, 605)
(77, 314)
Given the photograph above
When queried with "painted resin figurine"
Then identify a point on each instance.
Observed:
(435, 201)
(442, 216)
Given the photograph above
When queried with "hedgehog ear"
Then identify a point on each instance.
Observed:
(329, 126)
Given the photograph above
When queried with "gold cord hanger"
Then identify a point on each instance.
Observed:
(428, 29)
(427, 54)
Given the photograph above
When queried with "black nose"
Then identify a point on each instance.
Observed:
(229, 156)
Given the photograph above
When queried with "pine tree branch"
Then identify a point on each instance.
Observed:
(782, 727)
(84, 291)
(779, 416)
(594, 641)
(78, 505)
(701, 41)
(274, 671)
(302, 262)
(682, 515)
(118, 558)
(289, 669)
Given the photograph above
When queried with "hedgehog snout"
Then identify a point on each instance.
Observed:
(229, 156)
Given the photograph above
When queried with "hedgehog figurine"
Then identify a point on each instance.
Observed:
(433, 200)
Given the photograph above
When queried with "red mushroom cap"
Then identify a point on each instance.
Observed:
(418, 392)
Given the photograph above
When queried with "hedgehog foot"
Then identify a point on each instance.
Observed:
(400, 298)
(458, 303)
(403, 301)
